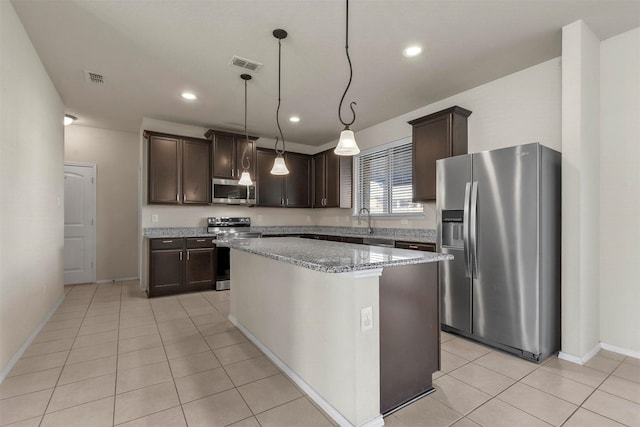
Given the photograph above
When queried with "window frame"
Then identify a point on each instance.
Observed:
(357, 188)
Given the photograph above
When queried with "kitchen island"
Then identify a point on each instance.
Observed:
(356, 327)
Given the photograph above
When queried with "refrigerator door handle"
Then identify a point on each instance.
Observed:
(473, 226)
(465, 229)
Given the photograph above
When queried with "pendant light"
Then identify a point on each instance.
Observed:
(245, 178)
(279, 166)
(347, 143)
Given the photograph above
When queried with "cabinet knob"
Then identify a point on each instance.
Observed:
(180, 256)
(167, 241)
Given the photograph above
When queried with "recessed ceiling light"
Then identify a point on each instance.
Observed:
(188, 95)
(68, 119)
(294, 119)
(412, 51)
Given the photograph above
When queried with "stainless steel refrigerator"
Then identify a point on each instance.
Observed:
(498, 213)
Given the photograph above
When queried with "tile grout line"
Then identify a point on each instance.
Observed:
(175, 386)
(115, 384)
(69, 354)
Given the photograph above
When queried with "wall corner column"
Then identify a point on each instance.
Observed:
(580, 189)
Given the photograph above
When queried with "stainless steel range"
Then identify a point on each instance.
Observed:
(225, 229)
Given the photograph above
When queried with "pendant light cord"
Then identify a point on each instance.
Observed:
(278, 109)
(346, 48)
(246, 134)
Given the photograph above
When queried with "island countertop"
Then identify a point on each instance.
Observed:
(333, 257)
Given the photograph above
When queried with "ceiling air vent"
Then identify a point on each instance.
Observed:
(245, 63)
(94, 78)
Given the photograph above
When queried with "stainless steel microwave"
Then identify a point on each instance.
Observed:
(229, 192)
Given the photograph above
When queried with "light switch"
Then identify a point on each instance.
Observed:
(154, 218)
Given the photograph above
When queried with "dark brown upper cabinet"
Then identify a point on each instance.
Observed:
(292, 190)
(229, 150)
(297, 183)
(179, 170)
(332, 180)
(269, 188)
(436, 136)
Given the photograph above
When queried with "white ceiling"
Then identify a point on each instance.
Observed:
(150, 51)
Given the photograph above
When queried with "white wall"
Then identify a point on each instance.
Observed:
(31, 190)
(620, 191)
(115, 154)
(520, 108)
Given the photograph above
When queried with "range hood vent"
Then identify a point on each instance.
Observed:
(245, 63)
(94, 78)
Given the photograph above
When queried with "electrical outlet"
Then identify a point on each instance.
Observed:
(154, 218)
(366, 318)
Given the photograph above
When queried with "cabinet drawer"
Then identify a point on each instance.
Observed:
(427, 247)
(201, 242)
(168, 243)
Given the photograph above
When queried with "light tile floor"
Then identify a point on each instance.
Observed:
(110, 356)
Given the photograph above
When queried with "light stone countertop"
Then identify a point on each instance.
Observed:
(398, 234)
(333, 257)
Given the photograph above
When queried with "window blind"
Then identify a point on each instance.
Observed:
(384, 180)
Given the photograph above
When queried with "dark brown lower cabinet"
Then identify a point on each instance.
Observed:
(409, 333)
(200, 267)
(181, 265)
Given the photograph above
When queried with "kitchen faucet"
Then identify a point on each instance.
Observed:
(370, 230)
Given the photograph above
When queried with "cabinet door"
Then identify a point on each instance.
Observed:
(166, 272)
(436, 136)
(319, 167)
(196, 178)
(223, 156)
(268, 187)
(332, 180)
(200, 268)
(164, 170)
(245, 149)
(431, 141)
(298, 182)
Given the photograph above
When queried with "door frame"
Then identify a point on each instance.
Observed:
(92, 205)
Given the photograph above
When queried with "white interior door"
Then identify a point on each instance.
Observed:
(79, 223)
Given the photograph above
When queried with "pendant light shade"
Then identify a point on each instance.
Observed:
(279, 166)
(245, 177)
(347, 144)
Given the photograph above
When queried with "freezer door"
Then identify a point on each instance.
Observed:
(453, 176)
(504, 246)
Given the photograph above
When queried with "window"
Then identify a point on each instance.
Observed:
(384, 180)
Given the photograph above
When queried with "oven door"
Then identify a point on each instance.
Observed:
(228, 191)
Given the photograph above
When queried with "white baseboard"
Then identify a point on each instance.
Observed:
(584, 359)
(319, 400)
(118, 279)
(28, 342)
(620, 350)
(577, 359)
